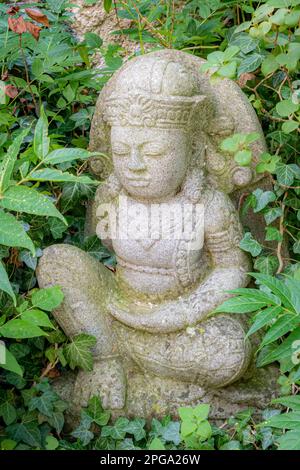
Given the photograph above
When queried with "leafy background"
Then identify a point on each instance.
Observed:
(48, 89)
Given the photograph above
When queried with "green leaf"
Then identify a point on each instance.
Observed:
(107, 4)
(285, 174)
(41, 141)
(292, 401)
(277, 287)
(201, 411)
(24, 199)
(283, 325)
(250, 63)
(269, 65)
(273, 234)
(228, 70)
(47, 299)
(187, 428)
(51, 443)
(8, 162)
(12, 233)
(8, 413)
(290, 126)
(156, 444)
(11, 363)
(49, 174)
(29, 433)
(96, 412)
(282, 352)
(266, 264)
(248, 243)
(264, 317)
(66, 155)
(136, 428)
(289, 441)
(286, 107)
(78, 352)
(243, 157)
(285, 421)
(5, 284)
(272, 214)
(21, 329)
(44, 403)
(37, 317)
(263, 198)
(240, 304)
(93, 40)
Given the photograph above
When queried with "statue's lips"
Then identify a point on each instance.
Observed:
(139, 182)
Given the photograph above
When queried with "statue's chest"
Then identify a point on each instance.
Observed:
(151, 234)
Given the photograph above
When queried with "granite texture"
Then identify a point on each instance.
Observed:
(160, 121)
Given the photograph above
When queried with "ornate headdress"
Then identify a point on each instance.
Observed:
(160, 94)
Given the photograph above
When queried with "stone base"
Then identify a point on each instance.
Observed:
(154, 397)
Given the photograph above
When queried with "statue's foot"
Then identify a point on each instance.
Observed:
(106, 380)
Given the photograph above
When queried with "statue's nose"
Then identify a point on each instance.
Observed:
(136, 162)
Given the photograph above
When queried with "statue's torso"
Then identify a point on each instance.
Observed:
(159, 260)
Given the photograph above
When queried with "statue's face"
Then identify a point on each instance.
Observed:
(150, 163)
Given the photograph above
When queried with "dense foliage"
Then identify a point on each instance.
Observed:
(48, 90)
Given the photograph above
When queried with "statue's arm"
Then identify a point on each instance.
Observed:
(223, 233)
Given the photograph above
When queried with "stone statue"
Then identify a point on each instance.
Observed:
(160, 120)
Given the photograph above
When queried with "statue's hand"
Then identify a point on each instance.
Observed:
(165, 318)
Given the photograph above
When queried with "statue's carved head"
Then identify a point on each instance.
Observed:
(151, 114)
(160, 121)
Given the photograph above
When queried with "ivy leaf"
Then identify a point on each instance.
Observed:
(24, 199)
(136, 428)
(269, 65)
(41, 141)
(292, 401)
(78, 352)
(48, 298)
(248, 243)
(28, 433)
(285, 174)
(12, 232)
(272, 214)
(44, 403)
(156, 444)
(8, 413)
(266, 264)
(290, 126)
(273, 234)
(8, 162)
(96, 412)
(5, 284)
(263, 198)
(243, 157)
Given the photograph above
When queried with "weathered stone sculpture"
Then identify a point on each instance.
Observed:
(158, 344)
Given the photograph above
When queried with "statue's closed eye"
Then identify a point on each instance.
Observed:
(121, 150)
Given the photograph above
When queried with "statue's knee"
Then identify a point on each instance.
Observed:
(228, 353)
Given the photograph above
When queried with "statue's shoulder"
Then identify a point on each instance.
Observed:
(107, 191)
(219, 210)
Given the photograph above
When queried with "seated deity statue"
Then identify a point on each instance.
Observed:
(166, 211)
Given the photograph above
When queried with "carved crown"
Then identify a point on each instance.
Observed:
(161, 94)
